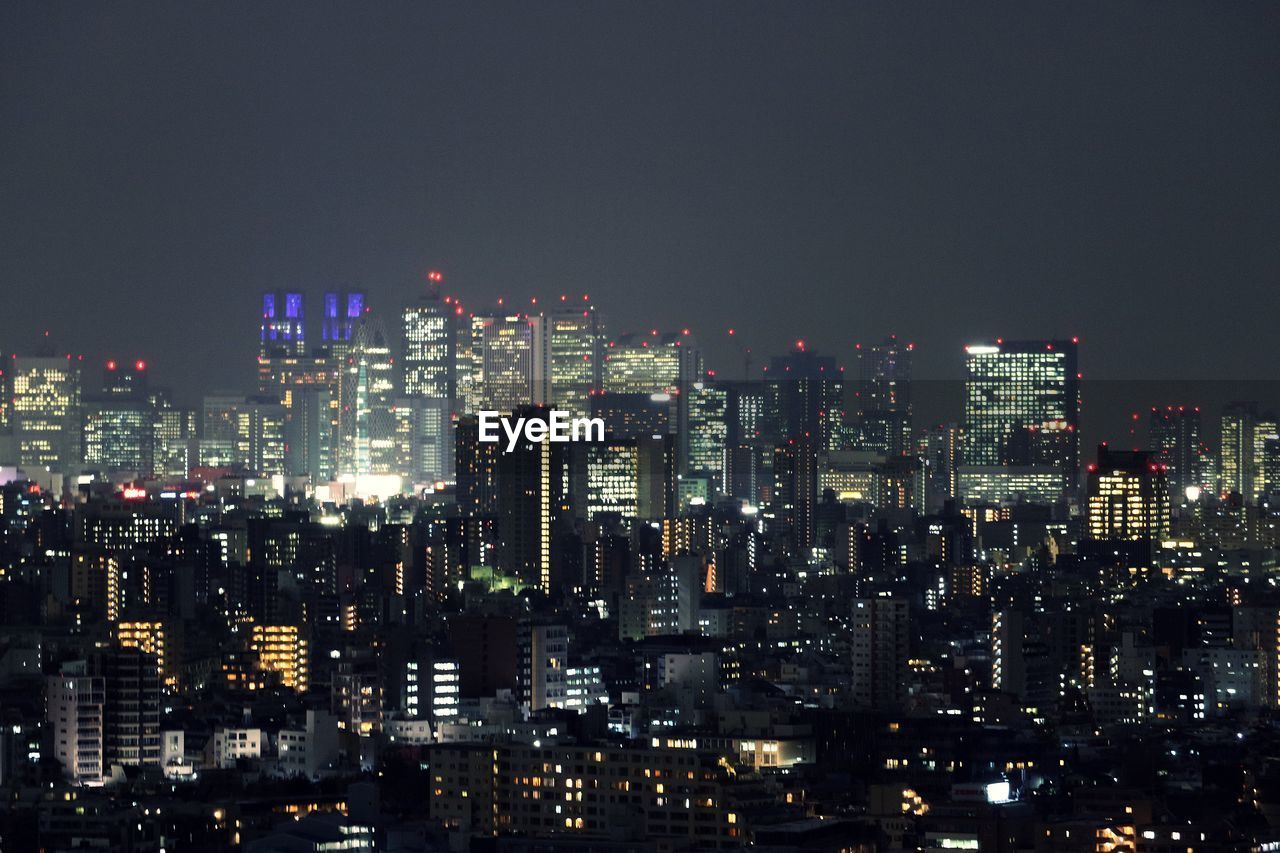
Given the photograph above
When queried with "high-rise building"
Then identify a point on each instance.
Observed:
(574, 346)
(343, 312)
(46, 412)
(881, 649)
(708, 433)
(260, 436)
(175, 437)
(366, 435)
(532, 484)
(1128, 496)
(1245, 430)
(652, 364)
(430, 328)
(882, 396)
(1174, 436)
(75, 703)
(132, 711)
(283, 330)
(119, 421)
(1021, 421)
(513, 361)
(422, 428)
(804, 397)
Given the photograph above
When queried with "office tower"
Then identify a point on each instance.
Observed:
(630, 416)
(283, 329)
(1128, 496)
(1174, 437)
(882, 396)
(307, 386)
(366, 437)
(219, 429)
(512, 361)
(708, 433)
(805, 397)
(1271, 466)
(75, 703)
(881, 648)
(652, 364)
(1021, 421)
(46, 412)
(260, 436)
(282, 651)
(630, 478)
(884, 376)
(119, 421)
(574, 345)
(543, 653)
(175, 437)
(424, 453)
(532, 484)
(1245, 430)
(430, 328)
(343, 312)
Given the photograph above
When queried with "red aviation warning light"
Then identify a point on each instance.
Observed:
(140, 365)
(111, 365)
(435, 275)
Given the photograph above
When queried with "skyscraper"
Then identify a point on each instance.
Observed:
(708, 433)
(1245, 430)
(46, 412)
(882, 396)
(652, 364)
(1128, 496)
(1174, 436)
(574, 333)
(513, 361)
(1021, 421)
(283, 329)
(366, 434)
(430, 345)
(119, 421)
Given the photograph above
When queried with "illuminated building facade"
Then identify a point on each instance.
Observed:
(46, 412)
(283, 650)
(513, 362)
(574, 344)
(1021, 414)
(283, 329)
(430, 328)
(366, 397)
(651, 364)
(119, 421)
(580, 792)
(1245, 431)
(1128, 496)
(708, 433)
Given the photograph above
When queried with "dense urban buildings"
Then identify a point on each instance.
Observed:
(774, 611)
(639, 427)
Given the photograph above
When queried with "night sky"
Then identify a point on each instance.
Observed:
(832, 171)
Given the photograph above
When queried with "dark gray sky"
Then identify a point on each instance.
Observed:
(832, 171)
